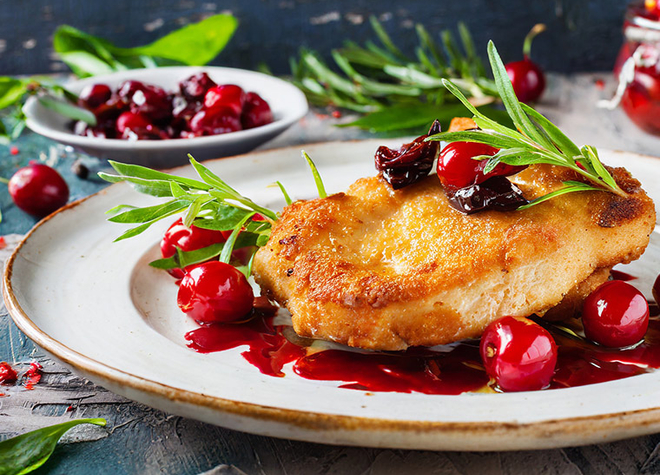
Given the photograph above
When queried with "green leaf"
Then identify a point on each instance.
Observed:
(488, 137)
(225, 255)
(225, 218)
(85, 64)
(569, 187)
(561, 141)
(143, 227)
(68, 110)
(385, 38)
(316, 175)
(591, 154)
(159, 182)
(150, 213)
(417, 116)
(27, 452)
(194, 209)
(505, 88)
(184, 259)
(287, 199)
(12, 91)
(158, 188)
(195, 44)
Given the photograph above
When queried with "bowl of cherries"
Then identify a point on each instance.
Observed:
(155, 117)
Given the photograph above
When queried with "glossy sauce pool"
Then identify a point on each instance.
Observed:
(449, 369)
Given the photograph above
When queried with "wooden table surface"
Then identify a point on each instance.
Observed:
(143, 440)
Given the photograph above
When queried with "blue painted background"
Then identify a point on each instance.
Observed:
(584, 35)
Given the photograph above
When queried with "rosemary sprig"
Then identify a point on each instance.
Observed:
(208, 203)
(376, 79)
(534, 140)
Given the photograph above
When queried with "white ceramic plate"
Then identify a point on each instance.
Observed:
(99, 308)
(287, 102)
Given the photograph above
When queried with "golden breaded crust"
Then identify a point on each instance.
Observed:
(383, 269)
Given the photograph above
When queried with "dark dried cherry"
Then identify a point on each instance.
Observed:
(412, 162)
(496, 193)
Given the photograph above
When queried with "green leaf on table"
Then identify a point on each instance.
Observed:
(84, 64)
(27, 452)
(195, 44)
(416, 116)
(67, 109)
(12, 91)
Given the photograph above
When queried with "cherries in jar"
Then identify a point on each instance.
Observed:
(638, 66)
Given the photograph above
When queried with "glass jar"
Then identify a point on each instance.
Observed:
(638, 66)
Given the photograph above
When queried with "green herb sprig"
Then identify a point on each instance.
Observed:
(27, 452)
(534, 140)
(397, 92)
(208, 203)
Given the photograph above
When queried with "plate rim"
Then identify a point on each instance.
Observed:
(305, 419)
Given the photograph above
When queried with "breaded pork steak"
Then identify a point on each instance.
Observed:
(382, 269)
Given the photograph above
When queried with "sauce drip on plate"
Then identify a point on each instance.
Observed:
(450, 369)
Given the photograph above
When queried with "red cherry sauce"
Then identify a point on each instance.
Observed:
(618, 275)
(452, 369)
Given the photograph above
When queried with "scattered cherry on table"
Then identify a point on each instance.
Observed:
(526, 76)
(615, 315)
(38, 189)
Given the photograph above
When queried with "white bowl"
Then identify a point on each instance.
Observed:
(287, 102)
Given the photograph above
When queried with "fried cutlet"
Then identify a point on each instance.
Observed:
(386, 269)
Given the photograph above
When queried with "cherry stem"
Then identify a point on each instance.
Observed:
(527, 45)
(4, 180)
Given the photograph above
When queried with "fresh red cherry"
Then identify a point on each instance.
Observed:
(256, 111)
(7, 374)
(94, 95)
(215, 121)
(215, 292)
(188, 239)
(519, 354)
(457, 168)
(133, 121)
(195, 87)
(38, 189)
(225, 96)
(526, 76)
(615, 315)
